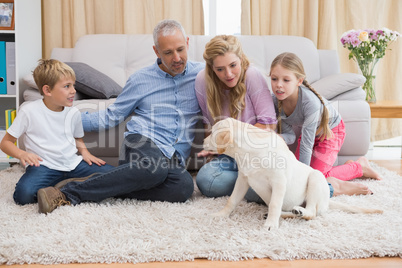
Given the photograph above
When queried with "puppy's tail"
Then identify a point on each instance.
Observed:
(353, 209)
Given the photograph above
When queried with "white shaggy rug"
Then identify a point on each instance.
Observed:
(130, 231)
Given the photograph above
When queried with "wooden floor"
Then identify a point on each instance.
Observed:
(366, 263)
(394, 165)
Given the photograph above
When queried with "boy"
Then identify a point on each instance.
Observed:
(53, 134)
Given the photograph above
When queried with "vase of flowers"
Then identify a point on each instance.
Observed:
(367, 47)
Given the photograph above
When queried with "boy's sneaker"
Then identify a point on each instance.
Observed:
(50, 198)
(64, 182)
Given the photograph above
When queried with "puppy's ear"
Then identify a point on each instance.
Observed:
(223, 139)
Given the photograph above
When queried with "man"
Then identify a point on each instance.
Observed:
(158, 137)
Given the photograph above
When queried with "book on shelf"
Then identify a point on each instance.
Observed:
(7, 68)
(10, 115)
(10, 68)
(3, 65)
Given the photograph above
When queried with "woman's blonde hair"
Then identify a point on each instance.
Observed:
(49, 72)
(294, 64)
(218, 46)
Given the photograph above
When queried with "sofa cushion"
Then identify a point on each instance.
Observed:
(304, 48)
(31, 94)
(333, 85)
(89, 81)
(93, 83)
(29, 81)
(108, 54)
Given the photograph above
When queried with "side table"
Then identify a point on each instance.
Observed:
(386, 109)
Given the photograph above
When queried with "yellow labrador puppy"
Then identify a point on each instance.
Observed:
(289, 187)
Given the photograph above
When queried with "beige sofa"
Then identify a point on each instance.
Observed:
(118, 56)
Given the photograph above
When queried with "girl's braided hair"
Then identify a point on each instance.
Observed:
(294, 64)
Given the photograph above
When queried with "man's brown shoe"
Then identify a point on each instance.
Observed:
(50, 198)
(64, 182)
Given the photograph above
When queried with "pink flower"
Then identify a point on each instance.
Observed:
(343, 41)
(373, 37)
(356, 42)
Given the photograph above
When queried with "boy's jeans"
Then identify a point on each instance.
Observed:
(36, 178)
(144, 174)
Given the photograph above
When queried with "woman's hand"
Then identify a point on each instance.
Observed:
(204, 153)
(208, 154)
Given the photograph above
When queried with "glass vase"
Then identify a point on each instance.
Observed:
(368, 70)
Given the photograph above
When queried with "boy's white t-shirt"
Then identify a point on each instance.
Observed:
(50, 135)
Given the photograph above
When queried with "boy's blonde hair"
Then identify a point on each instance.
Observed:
(294, 64)
(218, 46)
(49, 72)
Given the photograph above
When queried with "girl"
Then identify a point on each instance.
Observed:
(322, 128)
(229, 87)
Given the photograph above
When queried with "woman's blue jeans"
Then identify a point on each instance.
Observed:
(36, 178)
(145, 173)
(218, 177)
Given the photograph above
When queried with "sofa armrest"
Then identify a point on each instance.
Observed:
(329, 62)
(356, 116)
(353, 94)
(62, 54)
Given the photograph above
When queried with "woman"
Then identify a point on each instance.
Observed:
(230, 87)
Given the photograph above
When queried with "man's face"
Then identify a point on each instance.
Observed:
(172, 50)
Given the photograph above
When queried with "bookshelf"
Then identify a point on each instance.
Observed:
(27, 37)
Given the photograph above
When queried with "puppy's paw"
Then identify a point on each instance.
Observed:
(298, 211)
(220, 214)
(269, 226)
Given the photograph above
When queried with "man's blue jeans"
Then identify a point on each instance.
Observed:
(144, 174)
(36, 178)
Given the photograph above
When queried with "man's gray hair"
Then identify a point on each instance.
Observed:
(167, 27)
